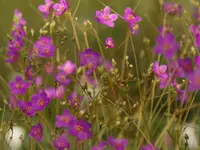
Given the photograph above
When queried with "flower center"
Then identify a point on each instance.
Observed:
(62, 78)
(160, 70)
(118, 145)
(37, 132)
(41, 102)
(61, 8)
(131, 16)
(166, 46)
(46, 51)
(79, 128)
(65, 119)
(88, 56)
(110, 43)
(18, 85)
(43, 42)
(106, 18)
(16, 44)
(27, 108)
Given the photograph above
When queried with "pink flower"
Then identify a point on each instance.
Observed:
(68, 67)
(49, 68)
(45, 8)
(109, 43)
(104, 17)
(159, 71)
(60, 8)
(130, 16)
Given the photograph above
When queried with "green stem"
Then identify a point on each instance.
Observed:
(124, 58)
(75, 33)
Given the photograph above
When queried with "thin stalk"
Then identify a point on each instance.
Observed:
(77, 6)
(45, 121)
(99, 44)
(41, 148)
(164, 130)
(86, 39)
(75, 33)
(136, 63)
(190, 106)
(124, 58)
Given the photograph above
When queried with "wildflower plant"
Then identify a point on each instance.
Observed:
(69, 90)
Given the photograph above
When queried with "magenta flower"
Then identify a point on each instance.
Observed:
(64, 119)
(159, 71)
(197, 61)
(16, 44)
(68, 67)
(18, 18)
(149, 147)
(182, 96)
(101, 146)
(195, 30)
(49, 68)
(44, 47)
(40, 101)
(61, 142)
(117, 144)
(60, 92)
(75, 100)
(172, 9)
(104, 17)
(38, 81)
(166, 45)
(108, 65)
(60, 8)
(12, 56)
(19, 86)
(194, 80)
(18, 31)
(109, 43)
(164, 81)
(175, 70)
(80, 129)
(45, 8)
(196, 33)
(13, 102)
(186, 65)
(90, 59)
(29, 72)
(134, 28)
(53, 92)
(197, 13)
(26, 107)
(50, 91)
(62, 78)
(130, 17)
(36, 132)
